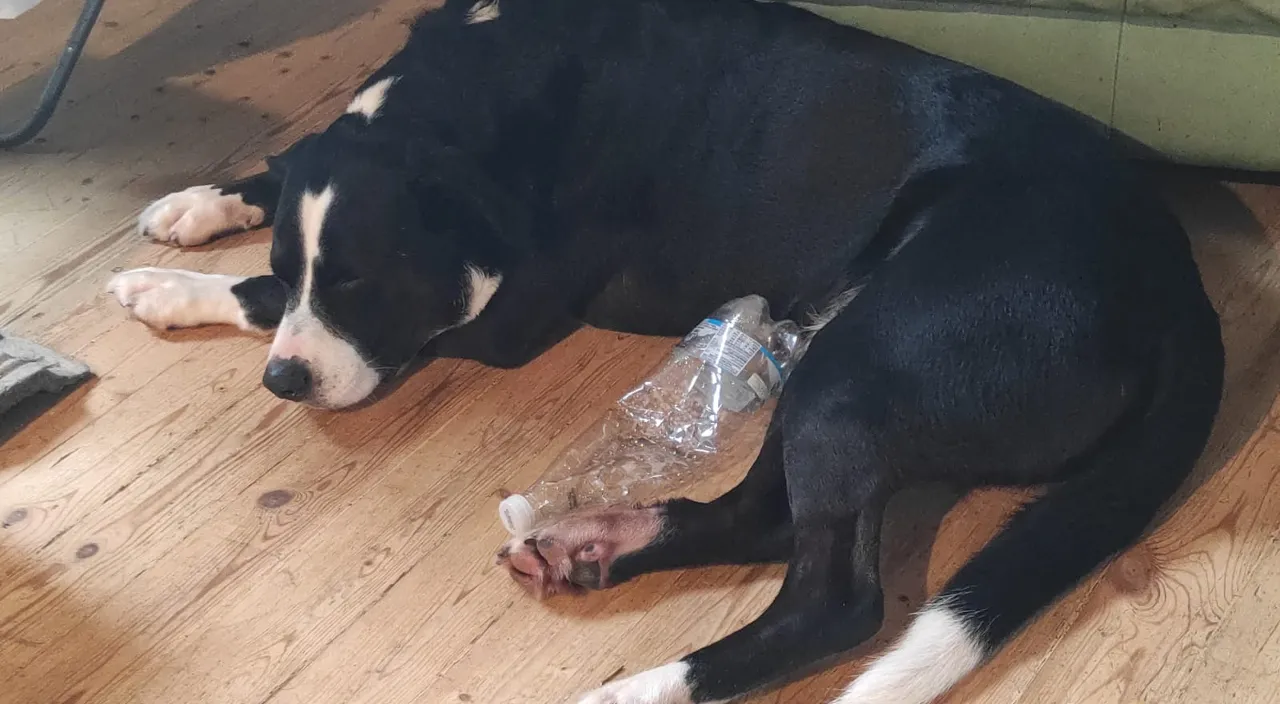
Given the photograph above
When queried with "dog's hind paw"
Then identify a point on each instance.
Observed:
(578, 551)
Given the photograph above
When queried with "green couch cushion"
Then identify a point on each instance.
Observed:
(1220, 15)
(1196, 80)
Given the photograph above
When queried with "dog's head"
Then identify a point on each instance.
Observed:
(381, 251)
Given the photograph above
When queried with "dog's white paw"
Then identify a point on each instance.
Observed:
(197, 215)
(662, 685)
(172, 298)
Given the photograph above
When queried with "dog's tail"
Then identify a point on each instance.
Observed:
(1059, 539)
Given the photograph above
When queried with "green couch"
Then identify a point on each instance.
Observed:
(1198, 80)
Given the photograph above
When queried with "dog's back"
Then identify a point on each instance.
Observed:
(714, 134)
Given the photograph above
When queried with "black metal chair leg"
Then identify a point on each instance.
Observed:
(58, 79)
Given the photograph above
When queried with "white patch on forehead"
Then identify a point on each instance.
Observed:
(369, 101)
(480, 288)
(341, 376)
(484, 11)
(311, 214)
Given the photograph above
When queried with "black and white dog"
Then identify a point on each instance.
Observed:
(997, 298)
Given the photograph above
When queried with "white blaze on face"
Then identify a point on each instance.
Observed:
(340, 375)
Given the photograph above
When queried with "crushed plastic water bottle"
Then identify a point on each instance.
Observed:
(663, 434)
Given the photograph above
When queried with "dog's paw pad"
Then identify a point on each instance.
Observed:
(578, 551)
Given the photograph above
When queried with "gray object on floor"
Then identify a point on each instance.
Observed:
(27, 369)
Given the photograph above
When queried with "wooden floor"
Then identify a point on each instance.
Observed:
(173, 533)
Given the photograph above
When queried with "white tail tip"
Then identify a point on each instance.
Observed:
(937, 651)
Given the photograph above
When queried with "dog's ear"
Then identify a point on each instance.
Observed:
(450, 184)
(280, 164)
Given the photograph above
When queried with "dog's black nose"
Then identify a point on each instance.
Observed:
(290, 379)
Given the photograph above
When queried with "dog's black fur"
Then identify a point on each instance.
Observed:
(1028, 312)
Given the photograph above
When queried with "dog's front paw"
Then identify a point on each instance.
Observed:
(197, 215)
(172, 298)
(668, 684)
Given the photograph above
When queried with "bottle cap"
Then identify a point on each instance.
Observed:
(516, 514)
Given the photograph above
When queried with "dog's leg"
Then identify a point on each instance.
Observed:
(838, 480)
(201, 213)
(829, 602)
(602, 548)
(506, 337)
(173, 298)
